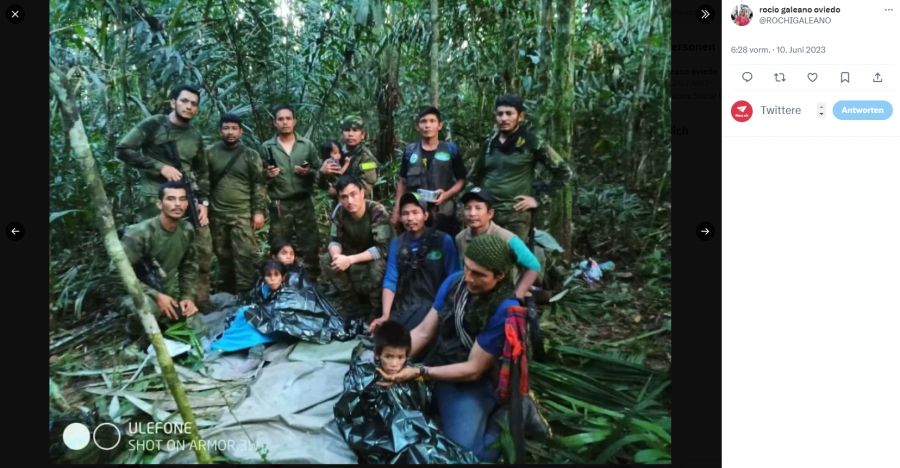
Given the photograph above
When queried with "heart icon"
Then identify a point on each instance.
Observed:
(812, 76)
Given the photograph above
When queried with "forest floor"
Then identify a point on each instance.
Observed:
(603, 385)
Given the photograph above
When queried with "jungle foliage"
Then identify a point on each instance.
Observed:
(595, 78)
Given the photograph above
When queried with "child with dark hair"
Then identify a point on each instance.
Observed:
(392, 346)
(241, 334)
(279, 311)
(273, 273)
(330, 151)
(387, 424)
(285, 253)
(331, 154)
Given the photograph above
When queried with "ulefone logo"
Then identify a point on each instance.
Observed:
(741, 111)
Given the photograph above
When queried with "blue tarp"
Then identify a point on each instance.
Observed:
(240, 335)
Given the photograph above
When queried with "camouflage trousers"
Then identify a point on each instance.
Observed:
(518, 222)
(203, 249)
(358, 287)
(295, 222)
(237, 251)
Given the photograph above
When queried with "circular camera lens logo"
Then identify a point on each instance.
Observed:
(76, 436)
(742, 111)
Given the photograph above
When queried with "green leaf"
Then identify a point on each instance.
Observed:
(662, 433)
(113, 408)
(59, 214)
(79, 301)
(616, 446)
(559, 295)
(585, 438)
(225, 79)
(652, 456)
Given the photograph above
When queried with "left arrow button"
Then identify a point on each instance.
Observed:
(15, 231)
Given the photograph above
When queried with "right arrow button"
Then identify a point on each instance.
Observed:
(705, 231)
(705, 14)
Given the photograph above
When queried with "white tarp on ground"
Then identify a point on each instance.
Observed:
(287, 415)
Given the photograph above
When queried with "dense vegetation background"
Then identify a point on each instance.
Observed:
(595, 77)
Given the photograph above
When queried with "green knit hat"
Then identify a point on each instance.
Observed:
(491, 252)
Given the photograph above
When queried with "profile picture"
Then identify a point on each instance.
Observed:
(741, 15)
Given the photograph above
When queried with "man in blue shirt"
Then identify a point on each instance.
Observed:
(418, 262)
(466, 324)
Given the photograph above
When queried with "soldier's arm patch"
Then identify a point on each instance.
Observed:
(368, 166)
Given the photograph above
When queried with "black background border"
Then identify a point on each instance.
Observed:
(696, 198)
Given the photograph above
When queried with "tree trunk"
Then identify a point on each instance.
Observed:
(637, 100)
(127, 196)
(545, 53)
(104, 220)
(562, 80)
(388, 97)
(511, 77)
(435, 54)
(545, 38)
(312, 58)
(341, 71)
(241, 69)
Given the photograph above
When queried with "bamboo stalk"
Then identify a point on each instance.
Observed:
(435, 54)
(71, 115)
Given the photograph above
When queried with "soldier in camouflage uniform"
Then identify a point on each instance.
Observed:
(358, 243)
(506, 167)
(147, 146)
(237, 204)
(291, 182)
(163, 248)
(363, 164)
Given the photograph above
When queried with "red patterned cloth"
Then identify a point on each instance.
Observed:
(513, 352)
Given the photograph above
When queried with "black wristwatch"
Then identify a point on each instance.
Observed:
(423, 371)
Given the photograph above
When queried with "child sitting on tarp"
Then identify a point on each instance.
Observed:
(243, 335)
(386, 424)
(285, 253)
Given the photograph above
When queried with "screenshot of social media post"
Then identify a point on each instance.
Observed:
(358, 231)
(810, 197)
